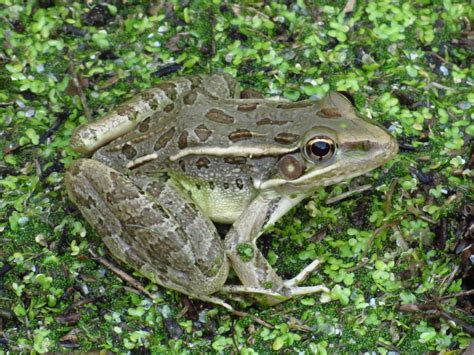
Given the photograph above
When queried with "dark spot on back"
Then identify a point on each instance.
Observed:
(247, 107)
(211, 185)
(195, 80)
(164, 138)
(169, 89)
(150, 99)
(251, 94)
(169, 108)
(203, 163)
(299, 104)
(226, 185)
(202, 132)
(286, 138)
(240, 135)
(269, 121)
(329, 112)
(145, 125)
(129, 151)
(183, 140)
(182, 165)
(219, 116)
(190, 98)
(126, 110)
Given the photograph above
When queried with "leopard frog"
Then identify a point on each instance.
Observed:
(177, 157)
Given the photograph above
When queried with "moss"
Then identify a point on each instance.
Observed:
(295, 49)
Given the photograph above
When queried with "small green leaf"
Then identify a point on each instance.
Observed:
(32, 135)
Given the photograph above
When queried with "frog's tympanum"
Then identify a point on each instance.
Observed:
(174, 159)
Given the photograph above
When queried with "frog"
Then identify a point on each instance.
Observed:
(162, 169)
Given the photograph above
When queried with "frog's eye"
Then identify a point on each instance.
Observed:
(320, 148)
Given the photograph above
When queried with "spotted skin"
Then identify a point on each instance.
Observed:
(189, 151)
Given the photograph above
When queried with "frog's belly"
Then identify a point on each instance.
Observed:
(221, 202)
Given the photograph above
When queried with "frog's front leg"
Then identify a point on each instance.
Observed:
(256, 274)
(151, 226)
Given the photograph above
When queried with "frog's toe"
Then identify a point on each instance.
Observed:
(302, 275)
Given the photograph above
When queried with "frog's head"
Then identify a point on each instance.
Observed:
(338, 145)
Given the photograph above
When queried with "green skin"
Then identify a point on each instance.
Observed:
(189, 152)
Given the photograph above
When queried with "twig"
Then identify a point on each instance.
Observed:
(347, 194)
(78, 85)
(465, 326)
(448, 281)
(296, 324)
(60, 119)
(120, 273)
(376, 233)
(438, 86)
(437, 312)
(236, 8)
(388, 201)
(362, 263)
(413, 210)
(457, 295)
(254, 318)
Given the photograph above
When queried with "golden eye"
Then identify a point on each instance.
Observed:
(320, 148)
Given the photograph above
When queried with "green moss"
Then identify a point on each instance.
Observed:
(294, 49)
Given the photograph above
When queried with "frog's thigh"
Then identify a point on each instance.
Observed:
(140, 230)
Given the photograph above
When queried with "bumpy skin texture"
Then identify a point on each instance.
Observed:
(188, 151)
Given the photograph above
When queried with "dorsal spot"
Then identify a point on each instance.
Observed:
(247, 107)
(269, 121)
(329, 112)
(226, 185)
(240, 135)
(190, 98)
(169, 89)
(183, 140)
(299, 104)
(202, 132)
(251, 94)
(126, 110)
(195, 81)
(235, 160)
(150, 99)
(129, 151)
(286, 138)
(144, 126)
(211, 185)
(219, 116)
(203, 163)
(169, 108)
(182, 165)
(164, 138)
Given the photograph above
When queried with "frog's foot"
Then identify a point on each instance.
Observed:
(289, 288)
(271, 297)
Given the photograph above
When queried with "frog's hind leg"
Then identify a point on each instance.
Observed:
(152, 227)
